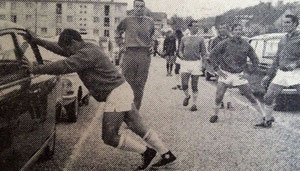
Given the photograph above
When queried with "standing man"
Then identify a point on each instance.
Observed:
(138, 31)
(179, 36)
(229, 59)
(285, 68)
(169, 50)
(105, 83)
(192, 49)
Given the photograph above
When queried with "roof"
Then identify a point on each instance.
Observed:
(76, 1)
(7, 25)
(269, 36)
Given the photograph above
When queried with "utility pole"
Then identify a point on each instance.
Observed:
(35, 23)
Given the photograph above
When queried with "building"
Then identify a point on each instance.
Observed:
(49, 17)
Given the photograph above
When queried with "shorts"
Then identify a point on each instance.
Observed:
(170, 59)
(192, 67)
(120, 99)
(177, 68)
(233, 79)
(287, 78)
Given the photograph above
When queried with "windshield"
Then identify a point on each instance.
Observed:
(271, 48)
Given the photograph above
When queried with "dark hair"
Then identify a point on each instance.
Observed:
(67, 35)
(294, 18)
(179, 34)
(191, 23)
(235, 25)
(222, 24)
(139, 0)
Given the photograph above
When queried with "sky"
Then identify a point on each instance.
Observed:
(198, 8)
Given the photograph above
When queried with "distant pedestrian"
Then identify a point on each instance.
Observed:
(105, 83)
(179, 35)
(285, 70)
(139, 30)
(229, 59)
(192, 49)
(155, 46)
(169, 50)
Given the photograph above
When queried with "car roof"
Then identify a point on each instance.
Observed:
(269, 36)
(8, 25)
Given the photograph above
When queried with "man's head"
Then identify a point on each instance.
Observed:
(223, 29)
(139, 7)
(69, 39)
(237, 30)
(194, 27)
(290, 23)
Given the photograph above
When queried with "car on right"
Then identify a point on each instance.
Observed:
(266, 46)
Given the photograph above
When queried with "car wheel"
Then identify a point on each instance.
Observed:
(72, 111)
(86, 100)
(280, 103)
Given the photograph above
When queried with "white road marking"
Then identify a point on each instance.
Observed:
(78, 147)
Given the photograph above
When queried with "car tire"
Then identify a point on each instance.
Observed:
(72, 111)
(86, 100)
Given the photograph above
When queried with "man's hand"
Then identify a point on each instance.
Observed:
(289, 67)
(222, 74)
(30, 36)
(265, 81)
(26, 65)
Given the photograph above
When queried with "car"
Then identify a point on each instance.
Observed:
(74, 94)
(266, 46)
(28, 102)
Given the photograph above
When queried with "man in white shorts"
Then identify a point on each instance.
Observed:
(192, 49)
(104, 83)
(229, 59)
(285, 68)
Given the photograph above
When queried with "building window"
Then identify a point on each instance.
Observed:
(80, 12)
(58, 19)
(96, 7)
(44, 30)
(58, 9)
(106, 21)
(96, 32)
(13, 5)
(2, 17)
(85, 6)
(2, 5)
(28, 17)
(44, 5)
(82, 30)
(117, 20)
(106, 10)
(70, 5)
(69, 18)
(29, 5)
(80, 19)
(106, 33)
(80, 6)
(96, 19)
(84, 19)
(13, 18)
(85, 12)
(58, 31)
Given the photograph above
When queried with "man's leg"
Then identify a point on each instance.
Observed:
(221, 90)
(195, 80)
(177, 77)
(185, 77)
(167, 65)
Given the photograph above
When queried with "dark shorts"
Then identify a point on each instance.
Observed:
(177, 68)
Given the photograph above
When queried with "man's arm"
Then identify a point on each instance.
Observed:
(215, 53)
(51, 46)
(202, 48)
(181, 48)
(253, 57)
(121, 28)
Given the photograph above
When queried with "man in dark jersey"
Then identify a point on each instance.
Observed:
(104, 83)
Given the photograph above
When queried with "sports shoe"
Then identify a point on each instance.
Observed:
(272, 119)
(222, 105)
(264, 124)
(148, 155)
(213, 119)
(165, 160)
(186, 101)
(194, 108)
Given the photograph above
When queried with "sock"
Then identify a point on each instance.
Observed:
(259, 109)
(217, 109)
(171, 67)
(186, 92)
(128, 144)
(152, 138)
(178, 79)
(195, 97)
(168, 66)
(268, 111)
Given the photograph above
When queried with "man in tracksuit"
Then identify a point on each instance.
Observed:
(138, 30)
(104, 83)
(169, 50)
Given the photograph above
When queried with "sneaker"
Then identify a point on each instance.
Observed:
(272, 119)
(186, 101)
(229, 106)
(194, 108)
(165, 160)
(222, 105)
(148, 155)
(179, 87)
(174, 88)
(264, 124)
(213, 119)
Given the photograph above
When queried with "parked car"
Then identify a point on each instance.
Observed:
(266, 47)
(28, 102)
(74, 94)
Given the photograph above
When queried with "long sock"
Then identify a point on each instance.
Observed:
(178, 80)
(195, 97)
(152, 138)
(217, 109)
(168, 67)
(186, 92)
(268, 111)
(259, 109)
(171, 67)
(128, 144)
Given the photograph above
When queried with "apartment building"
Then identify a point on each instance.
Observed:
(49, 17)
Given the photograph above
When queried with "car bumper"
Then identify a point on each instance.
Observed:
(67, 99)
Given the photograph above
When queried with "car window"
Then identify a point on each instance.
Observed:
(7, 48)
(26, 48)
(253, 43)
(260, 48)
(271, 47)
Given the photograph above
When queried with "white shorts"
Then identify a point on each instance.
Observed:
(120, 99)
(287, 78)
(233, 79)
(192, 67)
